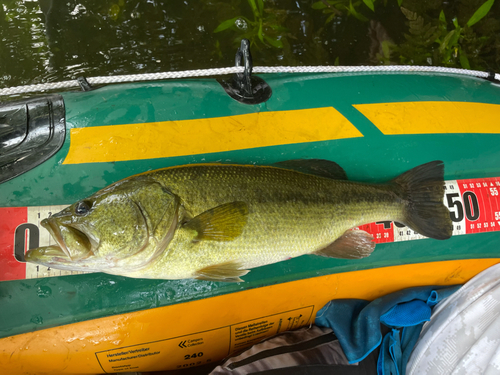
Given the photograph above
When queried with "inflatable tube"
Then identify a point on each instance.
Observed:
(375, 126)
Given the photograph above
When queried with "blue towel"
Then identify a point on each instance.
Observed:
(356, 324)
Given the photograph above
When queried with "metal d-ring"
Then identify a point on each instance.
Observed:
(84, 84)
(244, 87)
(244, 54)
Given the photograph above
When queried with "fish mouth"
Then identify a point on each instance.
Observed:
(56, 234)
(46, 255)
(80, 245)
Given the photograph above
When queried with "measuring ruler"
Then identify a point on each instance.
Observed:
(474, 206)
(20, 230)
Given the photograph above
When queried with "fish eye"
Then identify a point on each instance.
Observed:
(82, 208)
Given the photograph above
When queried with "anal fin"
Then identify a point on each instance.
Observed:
(353, 244)
(228, 272)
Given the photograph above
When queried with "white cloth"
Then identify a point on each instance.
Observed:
(463, 335)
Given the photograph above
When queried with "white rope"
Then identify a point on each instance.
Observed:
(370, 69)
(239, 69)
(165, 75)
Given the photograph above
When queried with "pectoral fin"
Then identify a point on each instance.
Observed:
(353, 244)
(222, 223)
(228, 272)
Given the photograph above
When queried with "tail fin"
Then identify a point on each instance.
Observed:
(422, 189)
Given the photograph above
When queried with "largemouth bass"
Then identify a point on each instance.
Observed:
(215, 222)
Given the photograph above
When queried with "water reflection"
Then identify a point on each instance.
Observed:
(48, 40)
(52, 40)
(107, 37)
(24, 49)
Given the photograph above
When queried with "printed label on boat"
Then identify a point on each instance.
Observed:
(474, 206)
(182, 352)
(201, 348)
(251, 332)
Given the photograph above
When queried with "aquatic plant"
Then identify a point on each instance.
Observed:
(335, 8)
(265, 27)
(444, 43)
(453, 34)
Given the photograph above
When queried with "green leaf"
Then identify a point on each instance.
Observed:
(274, 42)
(400, 2)
(218, 51)
(318, 5)
(464, 61)
(226, 24)
(455, 37)
(355, 13)
(253, 5)
(480, 13)
(322, 5)
(446, 40)
(455, 23)
(260, 34)
(329, 19)
(336, 62)
(449, 44)
(278, 28)
(410, 16)
(386, 48)
(442, 17)
(369, 4)
(114, 11)
(260, 4)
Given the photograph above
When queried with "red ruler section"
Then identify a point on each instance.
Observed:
(481, 205)
(11, 221)
(20, 230)
(474, 206)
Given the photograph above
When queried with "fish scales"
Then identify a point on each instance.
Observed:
(217, 221)
(290, 214)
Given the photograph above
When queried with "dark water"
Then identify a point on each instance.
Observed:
(53, 40)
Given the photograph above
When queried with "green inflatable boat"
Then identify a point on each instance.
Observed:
(60, 148)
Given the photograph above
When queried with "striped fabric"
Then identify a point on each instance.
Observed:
(310, 350)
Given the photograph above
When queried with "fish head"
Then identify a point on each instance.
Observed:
(116, 224)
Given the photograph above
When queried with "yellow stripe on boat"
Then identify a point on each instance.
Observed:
(432, 117)
(207, 330)
(190, 137)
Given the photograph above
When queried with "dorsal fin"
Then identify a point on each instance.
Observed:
(317, 167)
